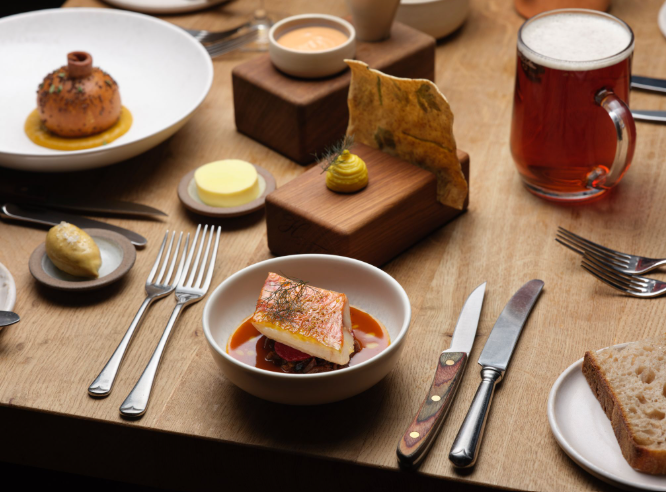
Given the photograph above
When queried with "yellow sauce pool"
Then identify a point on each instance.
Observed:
(41, 136)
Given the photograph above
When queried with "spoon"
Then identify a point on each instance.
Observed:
(8, 318)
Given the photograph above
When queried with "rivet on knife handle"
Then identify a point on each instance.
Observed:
(465, 447)
(421, 433)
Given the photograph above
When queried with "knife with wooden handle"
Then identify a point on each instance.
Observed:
(493, 360)
(423, 430)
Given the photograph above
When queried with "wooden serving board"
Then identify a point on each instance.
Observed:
(397, 208)
(300, 117)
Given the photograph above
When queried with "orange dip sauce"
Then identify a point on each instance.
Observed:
(312, 38)
(247, 344)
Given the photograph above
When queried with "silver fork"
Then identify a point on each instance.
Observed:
(157, 287)
(187, 292)
(203, 36)
(228, 45)
(634, 285)
(622, 262)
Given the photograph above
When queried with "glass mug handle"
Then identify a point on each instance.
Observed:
(625, 131)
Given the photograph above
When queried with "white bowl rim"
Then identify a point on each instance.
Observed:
(392, 347)
(332, 18)
(173, 27)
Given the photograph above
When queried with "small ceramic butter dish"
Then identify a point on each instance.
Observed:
(118, 256)
(189, 196)
(310, 46)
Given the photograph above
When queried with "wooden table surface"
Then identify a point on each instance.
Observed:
(506, 238)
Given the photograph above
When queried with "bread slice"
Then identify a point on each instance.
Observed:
(630, 384)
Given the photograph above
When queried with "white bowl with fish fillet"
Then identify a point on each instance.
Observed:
(367, 288)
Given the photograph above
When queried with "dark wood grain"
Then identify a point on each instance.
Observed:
(299, 117)
(398, 208)
(421, 433)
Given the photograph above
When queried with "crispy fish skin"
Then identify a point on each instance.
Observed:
(317, 321)
(410, 119)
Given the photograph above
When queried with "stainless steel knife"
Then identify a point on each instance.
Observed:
(423, 430)
(8, 318)
(648, 83)
(51, 218)
(653, 116)
(41, 197)
(494, 360)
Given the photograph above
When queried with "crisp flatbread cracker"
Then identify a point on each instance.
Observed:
(410, 119)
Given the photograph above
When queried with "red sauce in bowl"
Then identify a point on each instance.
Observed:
(246, 344)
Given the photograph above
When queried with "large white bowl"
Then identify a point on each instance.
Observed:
(164, 75)
(438, 18)
(366, 286)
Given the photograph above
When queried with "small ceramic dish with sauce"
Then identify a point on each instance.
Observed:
(368, 290)
(118, 256)
(311, 45)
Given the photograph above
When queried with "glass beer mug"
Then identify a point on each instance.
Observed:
(572, 133)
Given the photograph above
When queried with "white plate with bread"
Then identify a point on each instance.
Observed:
(585, 433)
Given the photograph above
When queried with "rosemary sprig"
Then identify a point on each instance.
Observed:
(285, 302)
(333, 153)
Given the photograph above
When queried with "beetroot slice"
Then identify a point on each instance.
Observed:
(290, 354)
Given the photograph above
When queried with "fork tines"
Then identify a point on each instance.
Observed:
(629, 284)
(584, 246)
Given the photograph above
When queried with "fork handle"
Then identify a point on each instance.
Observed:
(137, 401)
(102, 385)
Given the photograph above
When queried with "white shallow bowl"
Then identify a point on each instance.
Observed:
(583, 431)
(163, 73)
(367, 288)
(311, 64)
(164, 6)
(7, 289)
(438, 18)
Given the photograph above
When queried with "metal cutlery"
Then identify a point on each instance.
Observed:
(494, 360)
(634, 285)
(158, 285)
(203, 36)
(648, 83)
(622, 262)
(654, 116)
(51, 218)
(42, 197)
(8, 318)
(231, 44)
(423, 430)
(187, 292)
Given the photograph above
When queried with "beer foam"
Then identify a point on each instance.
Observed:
(575, 41)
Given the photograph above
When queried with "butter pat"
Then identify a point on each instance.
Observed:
(227, 183)
(73, 251)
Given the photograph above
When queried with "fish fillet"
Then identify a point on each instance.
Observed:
(313, 320)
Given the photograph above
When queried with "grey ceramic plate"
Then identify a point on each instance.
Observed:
(118, 256)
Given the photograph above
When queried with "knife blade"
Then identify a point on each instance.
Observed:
(423, 430)
(648, 83)
(8, 318)
(38, 196)
(51, 218)
(494, 360)
(652, 116)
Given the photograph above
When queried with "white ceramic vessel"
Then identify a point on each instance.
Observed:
(373, 18)
(366, 286)
(438, 18)
(163, 73)
(311, 64)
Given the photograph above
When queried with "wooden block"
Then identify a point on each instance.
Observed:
(299, 117)
(397, 208)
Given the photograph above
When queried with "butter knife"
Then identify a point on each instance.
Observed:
(651, 116)
(423, 430)
(8, 318)
(494, 360)
(648, 83)
(51, 218)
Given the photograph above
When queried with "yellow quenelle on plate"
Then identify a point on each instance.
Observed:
(227, 183)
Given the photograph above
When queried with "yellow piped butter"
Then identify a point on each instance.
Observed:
(227, 183)
(347, 174)
(73, 251)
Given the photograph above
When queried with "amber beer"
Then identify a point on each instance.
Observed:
(573, 71)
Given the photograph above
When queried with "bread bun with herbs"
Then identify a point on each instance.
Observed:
(78, 100)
